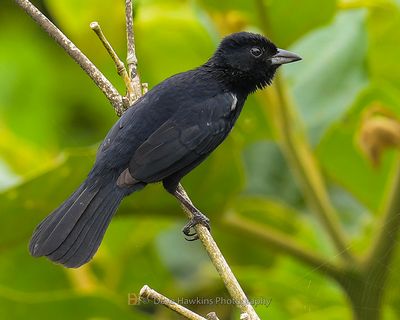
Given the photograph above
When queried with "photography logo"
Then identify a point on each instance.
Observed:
(134, 299)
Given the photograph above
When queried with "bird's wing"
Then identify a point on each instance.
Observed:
(190, 135)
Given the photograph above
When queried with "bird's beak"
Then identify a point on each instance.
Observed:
(284, 56)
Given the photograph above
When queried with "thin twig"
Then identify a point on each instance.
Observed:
(147, 293)
(219, 262)
(95, 26)
(99, 79)
(131, 59)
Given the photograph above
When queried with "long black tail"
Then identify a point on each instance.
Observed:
(72, 233)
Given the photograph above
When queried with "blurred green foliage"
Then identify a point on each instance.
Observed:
(52, 118)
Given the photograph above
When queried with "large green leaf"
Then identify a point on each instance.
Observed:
(269, 175)
(342, 158)
(332, 73)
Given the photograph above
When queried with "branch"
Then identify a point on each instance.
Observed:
(99, 79)
(282, 242)
(219, 262)
(131, 59)
(388, 230)
(118, 63)
(148, 293)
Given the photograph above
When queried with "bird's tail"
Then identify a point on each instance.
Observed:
(72, 233)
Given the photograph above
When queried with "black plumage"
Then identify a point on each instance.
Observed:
(162, 137)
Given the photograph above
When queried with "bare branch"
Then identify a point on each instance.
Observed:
(148, 293)
(219, 262)
(131, 59)
(99, 79)
(95, 26)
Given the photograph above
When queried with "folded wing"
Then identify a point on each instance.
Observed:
(190, 135)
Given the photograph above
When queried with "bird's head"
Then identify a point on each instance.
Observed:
(248, 61)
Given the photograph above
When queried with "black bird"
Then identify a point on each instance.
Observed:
(162, 137)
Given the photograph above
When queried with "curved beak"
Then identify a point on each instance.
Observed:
(284, 56)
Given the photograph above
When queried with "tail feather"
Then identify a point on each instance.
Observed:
(83, 248)
(77, 235)
(72, 234)
(98, 236)
(45, 227)
(87, 246)
(62, 224)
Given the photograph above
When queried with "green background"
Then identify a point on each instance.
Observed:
(52, 118)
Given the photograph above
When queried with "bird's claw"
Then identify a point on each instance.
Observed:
(197, 218)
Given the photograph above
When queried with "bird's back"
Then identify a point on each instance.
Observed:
(150, 112)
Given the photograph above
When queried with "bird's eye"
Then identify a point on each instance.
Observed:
(256, 51)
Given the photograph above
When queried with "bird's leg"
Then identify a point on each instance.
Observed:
(197, 216)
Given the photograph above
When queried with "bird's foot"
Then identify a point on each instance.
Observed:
(198, 218)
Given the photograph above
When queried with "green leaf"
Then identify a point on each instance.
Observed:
(332, 73)
(268, 173)
(343, 160)
(185, 260)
